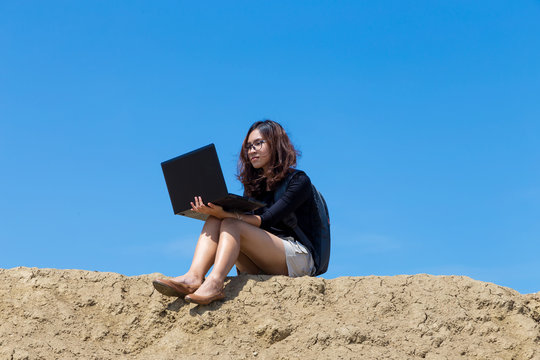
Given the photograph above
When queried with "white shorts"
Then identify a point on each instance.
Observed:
(299, 260)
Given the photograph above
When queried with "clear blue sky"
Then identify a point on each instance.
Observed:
(419, 122)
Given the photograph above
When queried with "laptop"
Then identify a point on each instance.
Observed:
(198, 173)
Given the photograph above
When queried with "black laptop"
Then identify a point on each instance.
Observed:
(198, 173)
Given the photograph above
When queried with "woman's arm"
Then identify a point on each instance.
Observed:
(297, 192)
(218, 212)
(250, 219)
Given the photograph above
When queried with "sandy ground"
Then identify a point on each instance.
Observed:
(76, 314)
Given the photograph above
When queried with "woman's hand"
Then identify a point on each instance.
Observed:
(210, 209)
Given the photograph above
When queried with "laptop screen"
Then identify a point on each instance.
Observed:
(197, 173)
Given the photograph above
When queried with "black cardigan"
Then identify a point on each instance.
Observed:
(297, 198)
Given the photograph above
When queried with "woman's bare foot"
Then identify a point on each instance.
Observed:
(188, 279)
(211, 290)
(179, 286)
(209, 287)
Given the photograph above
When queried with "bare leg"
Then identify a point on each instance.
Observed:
(264, 250)
(205, 253)
(245, 265)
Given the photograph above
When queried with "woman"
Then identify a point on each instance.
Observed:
(257, 243)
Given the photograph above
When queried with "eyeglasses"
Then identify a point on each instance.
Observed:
(257, 145)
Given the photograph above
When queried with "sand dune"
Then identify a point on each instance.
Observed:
(76, 314)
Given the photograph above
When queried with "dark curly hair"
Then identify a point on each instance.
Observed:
(283, 158)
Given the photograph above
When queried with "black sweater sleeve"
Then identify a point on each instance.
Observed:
(297, 192)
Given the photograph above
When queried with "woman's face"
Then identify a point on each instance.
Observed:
(259, 151)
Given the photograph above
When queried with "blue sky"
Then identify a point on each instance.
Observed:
(419, 122)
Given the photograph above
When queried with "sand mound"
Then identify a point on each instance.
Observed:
(68, 314)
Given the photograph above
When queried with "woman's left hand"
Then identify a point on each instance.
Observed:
(210, 209)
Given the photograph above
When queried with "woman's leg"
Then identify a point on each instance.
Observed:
(246, 266)
(264, 250)
(205, 253)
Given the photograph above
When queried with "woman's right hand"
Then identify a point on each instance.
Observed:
(210, 209)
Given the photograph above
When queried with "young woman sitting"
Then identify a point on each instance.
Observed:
(257, 243)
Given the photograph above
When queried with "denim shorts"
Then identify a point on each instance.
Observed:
(299, 260)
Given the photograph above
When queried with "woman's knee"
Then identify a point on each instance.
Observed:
(213, 219)
(212, 225)
(232, 227)
(230, 223)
